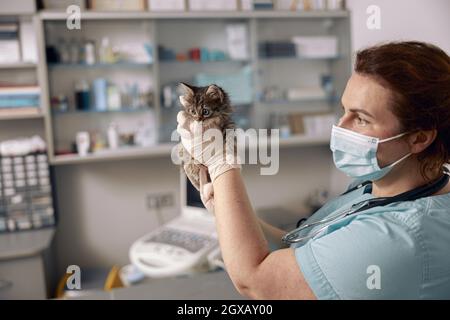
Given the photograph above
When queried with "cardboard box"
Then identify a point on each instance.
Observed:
(28, 42)
(316, 47)
(213, 5)
(63, 4)
(17, 7)
(246, 5)
(117, 5)
(166, 5)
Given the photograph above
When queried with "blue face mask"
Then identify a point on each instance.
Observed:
(355, 154)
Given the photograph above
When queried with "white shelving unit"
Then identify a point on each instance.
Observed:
(180, 31)
(17, 65)
(22, 73)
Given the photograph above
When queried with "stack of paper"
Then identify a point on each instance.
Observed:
(9, 43)
(19, 100)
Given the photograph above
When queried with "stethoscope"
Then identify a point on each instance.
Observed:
(411, 195)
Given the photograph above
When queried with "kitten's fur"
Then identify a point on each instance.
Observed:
(217, 103)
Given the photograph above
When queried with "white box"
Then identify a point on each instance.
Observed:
(316, 47)
(63, 4)
(283, 5)
(300, 5)
(213, 5)
(118, 5)
(247, 5)
(305, 93)
(237, 41)
(9, 51)
(28, 43)
(17, 7)
(166, 5)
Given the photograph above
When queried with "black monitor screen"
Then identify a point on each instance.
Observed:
(193, 196)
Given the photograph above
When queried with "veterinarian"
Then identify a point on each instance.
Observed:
(388, 236)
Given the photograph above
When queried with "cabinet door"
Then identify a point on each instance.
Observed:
(22, 279)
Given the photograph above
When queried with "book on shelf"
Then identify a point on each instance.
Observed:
(11, 89)
(9, 43)
(18, 102)
(25, 111)
(19, 96)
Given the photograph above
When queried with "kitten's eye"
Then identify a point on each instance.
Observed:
(205, 112)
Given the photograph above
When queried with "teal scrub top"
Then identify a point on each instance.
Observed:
(399, 251)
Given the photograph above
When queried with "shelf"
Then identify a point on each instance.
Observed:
(18, 65)
(99, 65)
(21, 116)
(162, 25)
(123, 153)
(128, 153)
(267, 14)
(296, 58)
(85, 112)
(296, 102)
(302, 140)
(203, 62)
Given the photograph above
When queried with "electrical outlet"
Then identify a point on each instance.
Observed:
(167, 200)
(157, 201)
(152, 202)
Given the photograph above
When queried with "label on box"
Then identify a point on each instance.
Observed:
(43, 173)
(44, 181)
(42, 158)
(20, 175)
(213, 5)
(18, 160)
(31, 174)
(11, 225)
(9, 192)
(23, 224)
(31, 166)
(8, 184)
(166, 5)
(29, 159)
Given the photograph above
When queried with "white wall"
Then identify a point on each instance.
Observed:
(422, 20)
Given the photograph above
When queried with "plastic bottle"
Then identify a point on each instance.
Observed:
(113, 136)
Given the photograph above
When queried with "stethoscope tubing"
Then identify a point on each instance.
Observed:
(423, 191)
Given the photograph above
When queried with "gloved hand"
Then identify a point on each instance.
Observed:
(216, 154)
(206, 191)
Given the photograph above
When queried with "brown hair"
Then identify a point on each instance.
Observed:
(418, 74)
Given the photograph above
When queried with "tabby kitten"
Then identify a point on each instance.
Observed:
(211, 105)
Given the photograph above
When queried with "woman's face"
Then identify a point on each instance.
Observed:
(365, 106)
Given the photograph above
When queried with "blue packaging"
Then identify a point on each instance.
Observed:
(100, 87)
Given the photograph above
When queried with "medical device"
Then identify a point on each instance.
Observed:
(411, 195)
(182, 245)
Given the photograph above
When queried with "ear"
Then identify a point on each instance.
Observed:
(183, 101)
(215, 92)
(187, 88)
(420, 140)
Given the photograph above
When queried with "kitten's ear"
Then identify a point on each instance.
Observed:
(187, 88)
(215, 92)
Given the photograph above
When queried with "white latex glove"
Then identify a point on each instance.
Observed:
(206, 191)
(215, 154)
